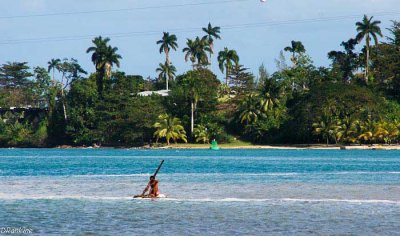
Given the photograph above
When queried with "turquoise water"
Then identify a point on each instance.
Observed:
(227, 192)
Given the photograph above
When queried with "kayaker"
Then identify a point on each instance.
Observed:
(153, 186)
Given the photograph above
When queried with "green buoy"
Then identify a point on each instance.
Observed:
(214, 145)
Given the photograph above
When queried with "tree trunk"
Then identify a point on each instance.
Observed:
(367, 61)
(166, 80)
(63, 99)
(211, 50)
(227, 74)
(166, 57)
(108, 70)
(192, 119)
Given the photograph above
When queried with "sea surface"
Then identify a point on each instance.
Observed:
(226, 192)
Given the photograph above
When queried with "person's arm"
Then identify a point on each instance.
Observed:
(145, 190)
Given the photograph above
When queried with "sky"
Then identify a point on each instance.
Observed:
(37, 30)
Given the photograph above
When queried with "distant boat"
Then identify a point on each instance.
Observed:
(214, 145)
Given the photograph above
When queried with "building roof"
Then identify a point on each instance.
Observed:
(163, 93)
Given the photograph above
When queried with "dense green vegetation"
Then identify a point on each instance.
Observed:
(355, 100)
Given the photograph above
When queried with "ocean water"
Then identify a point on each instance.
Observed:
(226, 192)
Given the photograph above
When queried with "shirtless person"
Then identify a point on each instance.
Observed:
(153, 185)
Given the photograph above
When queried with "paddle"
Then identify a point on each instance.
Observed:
(155, 174)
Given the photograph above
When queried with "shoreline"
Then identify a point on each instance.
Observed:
(251, 147)
(288, 147)
(233, 146)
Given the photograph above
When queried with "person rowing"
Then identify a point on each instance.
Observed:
(152, 187)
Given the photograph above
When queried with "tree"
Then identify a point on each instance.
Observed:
(241, 81)
(103, 57)
(16, 85)
(52, 65)
(196, 89)
(111, 58)
(327, 127)
(201, 134)
(44, 88)
(249, 109)
(367, 29)
(297, 47)
(167, 72)
(226, 59)
(195, 93)
(346, 61)
(196, 50)
(167, 43)
(271, 92)
(212, 34)
(15, 75)
(70, 70)
(169, 127)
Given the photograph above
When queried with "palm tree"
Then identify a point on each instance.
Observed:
(367, 29)
(249, 111)
(169, 127)
(98, 50)
(327, 127)
(201, 134)
(167, 42)
(111, 58)
(271, 92)
(368, 128)
(345, 129)
(212, 34)
(386, 131)
(226, 59)
(196, 51)
(53, 63)
(296, 48)
(166, 71)
(103, 57)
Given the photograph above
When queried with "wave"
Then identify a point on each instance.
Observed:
(271, 200)
(225, 174)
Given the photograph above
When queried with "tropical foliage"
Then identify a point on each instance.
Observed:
(355, 100)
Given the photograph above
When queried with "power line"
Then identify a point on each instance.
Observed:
(121, 10)
(188, 30)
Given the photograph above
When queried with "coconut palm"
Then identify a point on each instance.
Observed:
(271, 92)
(386, 132)
(196, 51)
(368, 128)
(169, 127)
(167, 43)
(345, 130)
(297, 47)
(201, 134)
(249, 111)
(226, 59)
(166, 71)
(212, 34)
(327, 127)
(367, 29)
(52, 66)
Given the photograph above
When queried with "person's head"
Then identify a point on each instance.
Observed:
(152, 177)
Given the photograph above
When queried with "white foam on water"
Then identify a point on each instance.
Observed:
(371, 201)
(61, 197)
(272, 200)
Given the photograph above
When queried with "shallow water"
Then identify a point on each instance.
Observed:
(227, 192)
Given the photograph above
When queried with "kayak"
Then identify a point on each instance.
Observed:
(148, 197)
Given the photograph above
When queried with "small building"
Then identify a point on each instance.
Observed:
(162, 93)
